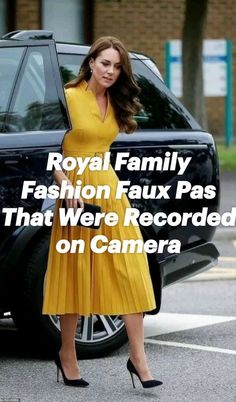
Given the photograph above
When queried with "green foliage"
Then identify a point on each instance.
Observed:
(227, 157)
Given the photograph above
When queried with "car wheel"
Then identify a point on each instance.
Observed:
(96, 335)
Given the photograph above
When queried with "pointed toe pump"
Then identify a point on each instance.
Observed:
(145, 384)
(79, 382)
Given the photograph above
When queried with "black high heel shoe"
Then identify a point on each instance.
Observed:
(74, 383)
(145, 384)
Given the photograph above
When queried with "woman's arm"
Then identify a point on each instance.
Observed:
(59, 175)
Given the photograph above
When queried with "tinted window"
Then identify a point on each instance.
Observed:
(9, 63)
(161, 110)
(69, 66)
(36, 105)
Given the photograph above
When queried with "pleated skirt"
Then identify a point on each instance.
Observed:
(97, 283)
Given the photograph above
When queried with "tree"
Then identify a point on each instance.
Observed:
(192, 40)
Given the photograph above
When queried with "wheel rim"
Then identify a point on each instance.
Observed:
(95, 328)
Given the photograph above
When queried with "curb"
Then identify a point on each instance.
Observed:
(225, 234)
(214, 274)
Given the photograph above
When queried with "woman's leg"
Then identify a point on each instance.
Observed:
(135, 331)
(68, 324)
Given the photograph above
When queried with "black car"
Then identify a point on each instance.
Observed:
(33, 121)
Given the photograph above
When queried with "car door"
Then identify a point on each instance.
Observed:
(33, 121)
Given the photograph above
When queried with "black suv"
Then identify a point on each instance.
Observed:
(33, 121)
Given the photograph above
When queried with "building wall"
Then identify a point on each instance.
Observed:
(145, 25)
(28, 15)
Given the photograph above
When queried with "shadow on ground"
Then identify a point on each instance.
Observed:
(15, 344)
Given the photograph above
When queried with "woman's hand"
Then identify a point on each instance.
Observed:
(74, 202)
(70, 202)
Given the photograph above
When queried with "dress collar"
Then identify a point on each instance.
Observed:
(84, 85)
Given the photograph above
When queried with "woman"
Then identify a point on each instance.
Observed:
(102, 101)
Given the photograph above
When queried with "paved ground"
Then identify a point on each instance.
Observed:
(228, 191)
(190, 346)
(225, 238)
(227, 201)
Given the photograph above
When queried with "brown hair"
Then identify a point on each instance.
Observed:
(124, 91)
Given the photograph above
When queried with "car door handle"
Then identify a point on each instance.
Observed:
(11, 159)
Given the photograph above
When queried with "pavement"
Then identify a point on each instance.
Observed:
(227, 201)
(224, 236)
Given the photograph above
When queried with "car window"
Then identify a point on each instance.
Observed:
(160, 109)
(35, 103)
(10, 59)
(69, 66)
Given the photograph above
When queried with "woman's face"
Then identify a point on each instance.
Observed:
(106, 67)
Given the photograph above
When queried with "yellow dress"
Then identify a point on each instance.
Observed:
(92, 283)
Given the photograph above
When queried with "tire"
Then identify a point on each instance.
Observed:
(96, 336)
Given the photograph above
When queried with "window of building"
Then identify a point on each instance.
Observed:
(65, 19)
